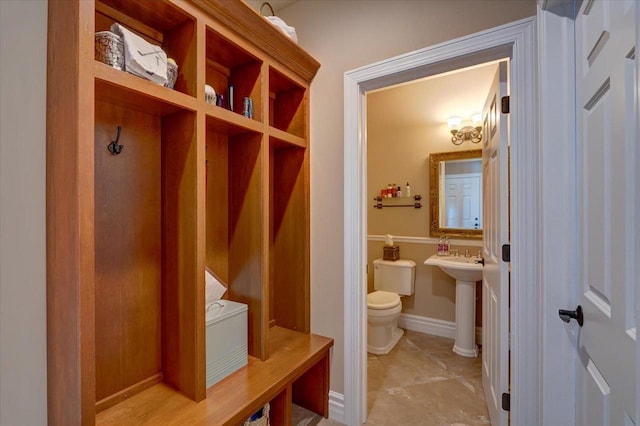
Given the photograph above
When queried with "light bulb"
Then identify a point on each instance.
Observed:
(454, 123)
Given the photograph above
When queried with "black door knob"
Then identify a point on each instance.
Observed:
(567, 316)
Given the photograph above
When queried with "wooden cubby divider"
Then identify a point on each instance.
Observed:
(196, 186)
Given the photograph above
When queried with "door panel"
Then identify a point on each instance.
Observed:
(605, 38)
(463, 201)
(495, 294)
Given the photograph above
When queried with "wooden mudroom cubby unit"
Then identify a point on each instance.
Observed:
(147, 187)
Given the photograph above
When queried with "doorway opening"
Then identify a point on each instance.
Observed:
(409, 142)
(517, 42)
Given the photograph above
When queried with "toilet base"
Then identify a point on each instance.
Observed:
(383, 350)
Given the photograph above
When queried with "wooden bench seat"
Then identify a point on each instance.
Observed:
(296, 371)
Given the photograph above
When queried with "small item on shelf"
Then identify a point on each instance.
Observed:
(446, 246)
(407, 190)
(441, 246)
(172, 73)
(142, 58)
(109, 49)
(259, 418)
(230, 95)
(288, 30)
(209, 95)
(220, 100)
(247, 107)
(399, 192)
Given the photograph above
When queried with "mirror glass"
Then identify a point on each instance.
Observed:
(455, 181)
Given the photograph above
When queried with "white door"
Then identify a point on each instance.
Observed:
(606, 234)
(495, 281)
(463, 201)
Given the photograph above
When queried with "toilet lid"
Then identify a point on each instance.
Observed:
(382, 300)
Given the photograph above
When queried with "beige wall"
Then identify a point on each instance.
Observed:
(343, 35)
(407, 123)
(23, 356)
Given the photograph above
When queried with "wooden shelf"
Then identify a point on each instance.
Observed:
(297, 360)
(281, 139)
(122, 88)
(228, 122)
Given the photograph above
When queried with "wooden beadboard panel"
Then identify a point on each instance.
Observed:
(128, 249)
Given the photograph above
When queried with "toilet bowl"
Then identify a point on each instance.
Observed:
(383, 311)
(391, 279)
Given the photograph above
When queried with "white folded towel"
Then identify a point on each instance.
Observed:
(288, 30)
(142, 58)
(214, 290)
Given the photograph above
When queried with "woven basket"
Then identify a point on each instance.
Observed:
(110, 49)
(263, 420)
(172, 74)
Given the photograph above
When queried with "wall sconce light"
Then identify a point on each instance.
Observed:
(466, 133)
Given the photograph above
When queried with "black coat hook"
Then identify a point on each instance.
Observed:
(113, 147)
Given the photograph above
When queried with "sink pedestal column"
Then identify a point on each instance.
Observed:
(465, 344)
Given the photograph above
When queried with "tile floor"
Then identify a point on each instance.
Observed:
(422, 382)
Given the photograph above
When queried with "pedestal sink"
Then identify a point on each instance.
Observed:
(466, 271)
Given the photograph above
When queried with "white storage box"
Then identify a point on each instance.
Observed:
(226, 336)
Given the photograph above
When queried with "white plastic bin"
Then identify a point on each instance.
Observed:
(226, 336)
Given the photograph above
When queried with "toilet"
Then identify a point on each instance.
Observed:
(391, 279)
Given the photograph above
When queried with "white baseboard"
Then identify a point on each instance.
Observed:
(336, 406)
(433, 326)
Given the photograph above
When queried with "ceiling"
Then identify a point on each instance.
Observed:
(430, 101)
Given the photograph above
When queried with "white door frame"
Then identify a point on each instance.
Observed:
(557, 212)
(517, 40)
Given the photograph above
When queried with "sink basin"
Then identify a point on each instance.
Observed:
(460, 268)
(466, 272)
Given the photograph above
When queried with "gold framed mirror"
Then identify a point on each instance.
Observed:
(455, 194)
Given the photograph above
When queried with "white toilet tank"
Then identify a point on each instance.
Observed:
(394, 276)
